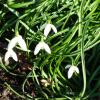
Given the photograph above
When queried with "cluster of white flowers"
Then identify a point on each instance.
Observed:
(41, 45)
(20, 41)
(13, 42)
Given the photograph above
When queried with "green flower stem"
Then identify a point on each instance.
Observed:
(16, 28)
(81, 33)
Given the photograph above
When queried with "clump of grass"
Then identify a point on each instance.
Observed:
(75, 43)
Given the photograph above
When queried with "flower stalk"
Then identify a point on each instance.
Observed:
(81, 33)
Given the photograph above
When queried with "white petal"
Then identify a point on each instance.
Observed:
(7, 55)
(53, 28)
(10, 53)
(47, 29)
(7, 62)
(12, 43)
(70, 72)
(37, 48)
(76, 69)
(68, 66)
(13, 55)
(22, 43)
(46, 47)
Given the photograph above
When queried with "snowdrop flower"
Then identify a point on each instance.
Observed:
(71, 70)
(17, 39)
(10, 53)
(48, 29)
(42, 45)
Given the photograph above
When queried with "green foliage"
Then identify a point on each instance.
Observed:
(77, 42)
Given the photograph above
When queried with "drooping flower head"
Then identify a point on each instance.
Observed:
(42, 45)
(72, 69)
(48, 28)
(10, 53)
(13, 42)
(17, 40)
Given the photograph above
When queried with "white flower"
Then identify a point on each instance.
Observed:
(10, 53)
(71, 70)
(42, 45)
(17, 39)
(48, 29)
